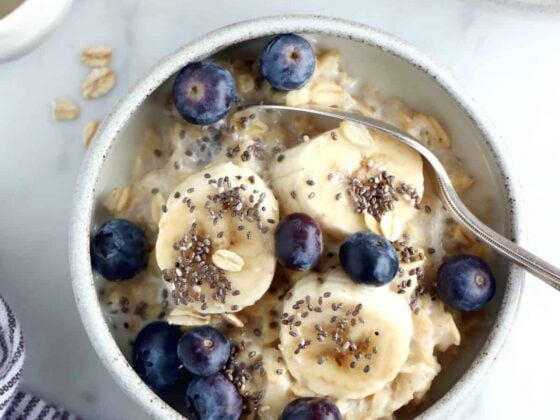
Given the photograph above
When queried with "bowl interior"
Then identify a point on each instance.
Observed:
(396, 77)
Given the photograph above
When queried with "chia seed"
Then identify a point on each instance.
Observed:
(374, 195)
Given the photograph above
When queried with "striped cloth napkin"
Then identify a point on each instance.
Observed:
(14, 404)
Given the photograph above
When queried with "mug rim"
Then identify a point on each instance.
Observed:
(84, 198)
(29, 24)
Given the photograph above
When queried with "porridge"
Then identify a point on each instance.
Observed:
(275, 266)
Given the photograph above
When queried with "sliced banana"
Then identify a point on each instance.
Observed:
(314, 177)
(223, 207)
(434, 329)
(341, 339)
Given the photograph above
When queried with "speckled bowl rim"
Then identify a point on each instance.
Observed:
(84, 200)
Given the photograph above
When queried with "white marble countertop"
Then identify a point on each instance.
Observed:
(509, 60)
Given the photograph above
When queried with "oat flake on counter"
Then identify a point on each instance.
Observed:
(89, 132)
(98, 82)
(97, 56)
(65, 109)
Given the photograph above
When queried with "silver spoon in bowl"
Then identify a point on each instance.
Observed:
(530, 262)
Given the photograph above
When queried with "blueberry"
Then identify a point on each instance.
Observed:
(119, 250)
(213, 398)
(203, 350)
(203, 92)
(465, 282)
(309, 408)
(287, 62)
(369, 259)
(299, 242)
(154, 356)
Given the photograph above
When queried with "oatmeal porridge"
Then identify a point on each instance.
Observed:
(295, 267)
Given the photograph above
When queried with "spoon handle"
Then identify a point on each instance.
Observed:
(530, 262)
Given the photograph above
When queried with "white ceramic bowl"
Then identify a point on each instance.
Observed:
(398, 70)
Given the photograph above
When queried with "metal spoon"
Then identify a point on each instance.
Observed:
(530, 262)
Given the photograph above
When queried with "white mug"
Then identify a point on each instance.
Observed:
(26, 26)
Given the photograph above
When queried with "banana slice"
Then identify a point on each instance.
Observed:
(316, 178)
(223, 207)
(434, 329)
(344, 340)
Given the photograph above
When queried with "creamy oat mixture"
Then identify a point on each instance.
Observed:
(210, 198)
